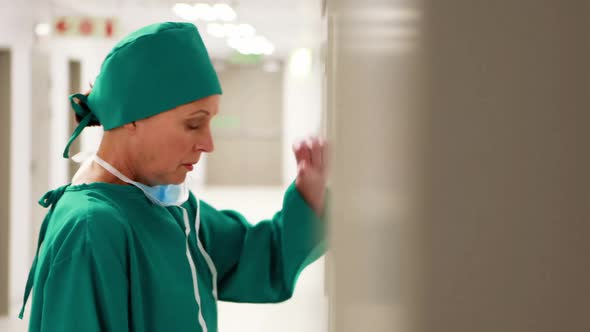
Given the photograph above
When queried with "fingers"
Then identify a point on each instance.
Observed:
(297, 152)
(301, 152)
(314, 151)
(302, 167)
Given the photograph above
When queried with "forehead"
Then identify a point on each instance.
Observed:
(208, 104)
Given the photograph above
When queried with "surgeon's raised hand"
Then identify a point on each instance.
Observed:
(312, 156)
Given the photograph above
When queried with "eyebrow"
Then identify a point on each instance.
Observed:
(199, 112)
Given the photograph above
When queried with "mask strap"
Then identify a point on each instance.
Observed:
(153, 197)
(112, 170)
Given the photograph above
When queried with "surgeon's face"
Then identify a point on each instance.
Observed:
(168, 145)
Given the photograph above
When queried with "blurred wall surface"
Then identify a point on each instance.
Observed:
(248, 129)
(461, 197)
(506, 207)
(372, 78)
(4, 178)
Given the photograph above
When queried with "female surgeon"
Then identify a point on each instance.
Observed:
(126, 246)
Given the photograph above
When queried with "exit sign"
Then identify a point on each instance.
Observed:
(72, 26)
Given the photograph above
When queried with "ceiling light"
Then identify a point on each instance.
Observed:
(251, 45)
(241, 30)
(205, 12)
(185, 11)
(216, 30)
(42, 29)
(224, 12)
(246, 30)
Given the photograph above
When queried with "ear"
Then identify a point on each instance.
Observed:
(130, 127)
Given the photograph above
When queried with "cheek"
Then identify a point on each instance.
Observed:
(162, 148)
(173, 147)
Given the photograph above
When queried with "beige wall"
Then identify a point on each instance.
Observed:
(371, 81)
(247, 131)
(5, 128)
(506, 207)
(463, 206)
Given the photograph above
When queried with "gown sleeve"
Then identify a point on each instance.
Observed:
(87, 286)
(261, 263)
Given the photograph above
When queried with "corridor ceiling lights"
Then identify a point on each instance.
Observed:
(185, 11)
(230, 30)
(216, 30)
(205, 12)
(251, 45)
(243, 30)
(224, 12)
(241, 37)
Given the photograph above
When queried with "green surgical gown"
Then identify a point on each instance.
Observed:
(111, 260)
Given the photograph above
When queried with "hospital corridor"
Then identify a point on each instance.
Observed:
(295, 165)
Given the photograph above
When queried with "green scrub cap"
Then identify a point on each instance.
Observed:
(152, 70)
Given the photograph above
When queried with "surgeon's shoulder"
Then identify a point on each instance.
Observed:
(84, 222)
(207, 211)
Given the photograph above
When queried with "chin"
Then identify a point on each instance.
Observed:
(178, 179)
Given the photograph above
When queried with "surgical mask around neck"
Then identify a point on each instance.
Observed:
(164, 195)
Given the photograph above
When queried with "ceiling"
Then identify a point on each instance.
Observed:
(288, 24)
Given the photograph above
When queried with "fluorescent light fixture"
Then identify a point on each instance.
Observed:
(185, 11)
(224, 12)
(205, 12)
(262, 45)
(241, 37)
(246, 30)
(251, 45)
(230, 30)
(42, 29)
(239, 31)
(235, 42)
(216, 30)
(246, 49)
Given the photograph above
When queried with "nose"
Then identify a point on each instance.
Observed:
(205, 144)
